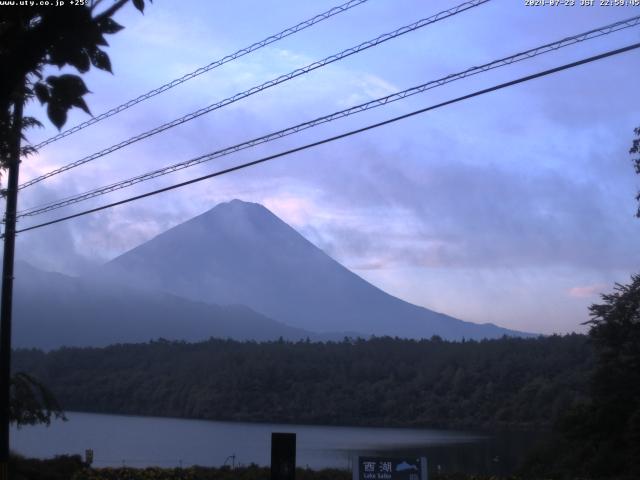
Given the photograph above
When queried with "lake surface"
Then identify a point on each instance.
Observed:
(143, 441)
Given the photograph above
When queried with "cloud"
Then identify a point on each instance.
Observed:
(483, 216)
(295, 209)
(56, 250)
(586, 291)
(507, 189)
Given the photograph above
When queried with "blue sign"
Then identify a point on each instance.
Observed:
(394, 468)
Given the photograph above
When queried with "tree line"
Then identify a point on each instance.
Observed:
(503, 383)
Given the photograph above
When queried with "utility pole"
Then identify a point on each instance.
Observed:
(7, 281)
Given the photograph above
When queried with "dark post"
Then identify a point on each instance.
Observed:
(7, 285)
(283, 456)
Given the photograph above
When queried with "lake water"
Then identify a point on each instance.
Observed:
(142, 441)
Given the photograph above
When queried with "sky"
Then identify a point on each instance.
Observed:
(516, 207)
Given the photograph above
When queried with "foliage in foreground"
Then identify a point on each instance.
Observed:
(72, 468)
(40, 35)
(244, 473)
(601, 437)
(31, 402)
(252, 472)
(63, 467)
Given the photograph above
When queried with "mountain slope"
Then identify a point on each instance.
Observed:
(52, 310)
(241, 253)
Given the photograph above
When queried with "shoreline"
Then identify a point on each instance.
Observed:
(470, 429)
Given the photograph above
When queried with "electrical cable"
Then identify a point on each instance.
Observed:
(281, 79)
(215, 64)
(338, 137)
(531, 53)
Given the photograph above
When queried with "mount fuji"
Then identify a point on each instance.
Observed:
(240, 253)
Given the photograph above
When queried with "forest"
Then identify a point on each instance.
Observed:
(508, 383)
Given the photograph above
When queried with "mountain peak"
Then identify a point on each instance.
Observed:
(238, 223)
(241, 253)
(237, 203)
(235, 210)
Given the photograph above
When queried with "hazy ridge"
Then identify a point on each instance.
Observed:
(236, 271)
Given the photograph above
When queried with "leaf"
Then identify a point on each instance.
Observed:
(67, 87)
(57, 113)
(139, 4)
(66, 91)
(55, 58)
(80, 103)
(80, 60)
(42, 92)
(30, 122)
(27, 150)
(100, 60)
(100, 40)
(108, 25)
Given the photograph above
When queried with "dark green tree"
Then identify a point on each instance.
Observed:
(635, 150)
(614, 415)
(32, 39)
(32, 402)
(602, 437)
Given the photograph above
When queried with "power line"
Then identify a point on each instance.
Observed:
(215, 64)
(589, 35)
(343, 135)
(283, 78)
